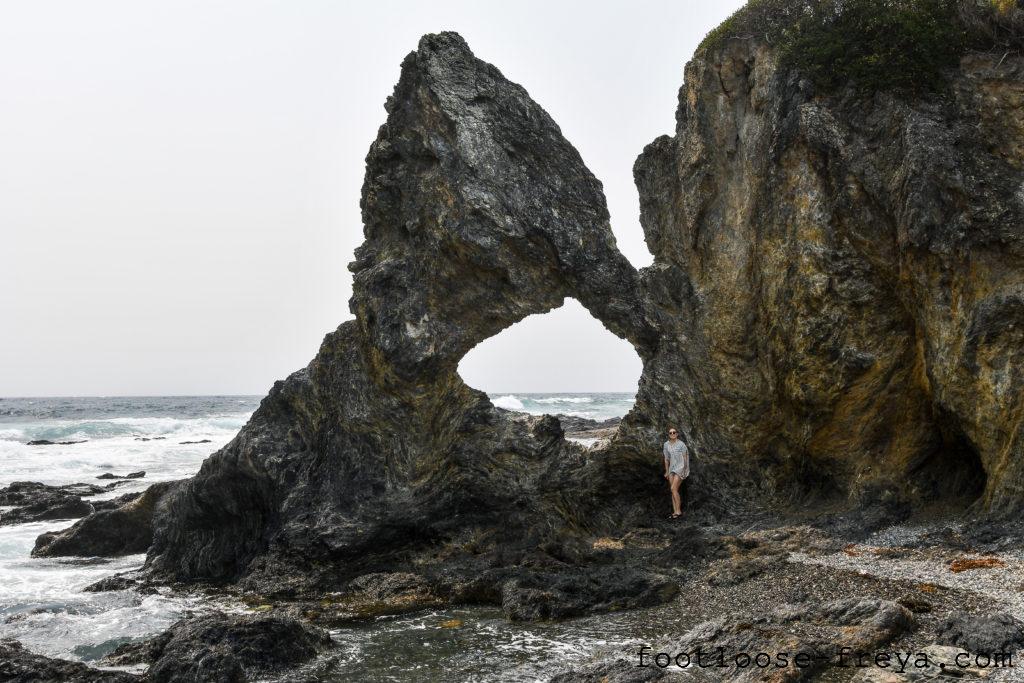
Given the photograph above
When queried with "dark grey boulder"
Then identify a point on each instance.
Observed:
(18, 665)
(224, 648)
(982, 633)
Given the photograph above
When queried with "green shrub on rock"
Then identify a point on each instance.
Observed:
(873, 45)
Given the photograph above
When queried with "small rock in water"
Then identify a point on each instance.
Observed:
(117, 582)
(186, 443)
(47, 442)
(130, 475)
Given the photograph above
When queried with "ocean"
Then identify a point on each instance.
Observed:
(43, 606)
(595, 406)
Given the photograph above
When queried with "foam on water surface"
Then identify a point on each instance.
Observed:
(42, 603)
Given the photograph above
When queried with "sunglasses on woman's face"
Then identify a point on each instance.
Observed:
(671, 432)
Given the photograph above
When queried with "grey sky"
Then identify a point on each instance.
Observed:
(179, 182)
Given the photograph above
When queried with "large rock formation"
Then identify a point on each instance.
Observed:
(835, 310)
(844, 278)
(477, 214)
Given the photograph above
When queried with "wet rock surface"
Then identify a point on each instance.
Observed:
(18, 665)
(130, 475)
(33, 493)
(110, 531)
(220, 648)
(47, 442)
(36, 502)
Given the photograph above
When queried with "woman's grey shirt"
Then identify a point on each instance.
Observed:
(678, 457)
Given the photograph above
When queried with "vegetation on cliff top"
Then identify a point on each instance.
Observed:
(902, 45)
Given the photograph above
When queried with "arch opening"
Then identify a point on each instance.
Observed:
(563, 363)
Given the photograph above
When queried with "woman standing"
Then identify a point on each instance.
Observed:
(677, 468)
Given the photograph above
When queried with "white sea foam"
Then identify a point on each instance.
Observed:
(565, 399)
(153, 444)
(509, 402)
(41, 599)
(42, 603)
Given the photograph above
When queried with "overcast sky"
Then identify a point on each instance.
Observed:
(179, 181)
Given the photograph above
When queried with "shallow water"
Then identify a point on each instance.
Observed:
(598, 406)
(479, 644)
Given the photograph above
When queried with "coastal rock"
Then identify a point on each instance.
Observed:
(38, 502)
(377, 457)
(26, 493)
(541, 596)
(982, 633)
(130, 475)
(122, 530)
(117, 582)
(223, 648)
(843, 276)
(47, 442)
(59, 506)
(832, 318)
(618, 671)
(18, 665)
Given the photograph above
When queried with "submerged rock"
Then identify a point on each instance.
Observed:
(122, 530)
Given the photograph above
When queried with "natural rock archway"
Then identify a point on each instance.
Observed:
(563, 351)
(829, 319)
(477, 214)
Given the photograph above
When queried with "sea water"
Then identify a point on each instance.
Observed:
(42, 603)
(41, 600)
(594, 406)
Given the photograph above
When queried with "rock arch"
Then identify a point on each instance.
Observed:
(477, 213)
(564, 350)
(799, 314)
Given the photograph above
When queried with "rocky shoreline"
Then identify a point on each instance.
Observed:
(833, 318)
(749, 587)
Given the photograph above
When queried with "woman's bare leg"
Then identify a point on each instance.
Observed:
(675, 482)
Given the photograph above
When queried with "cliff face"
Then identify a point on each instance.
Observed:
(834, 314)
(845, 276)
